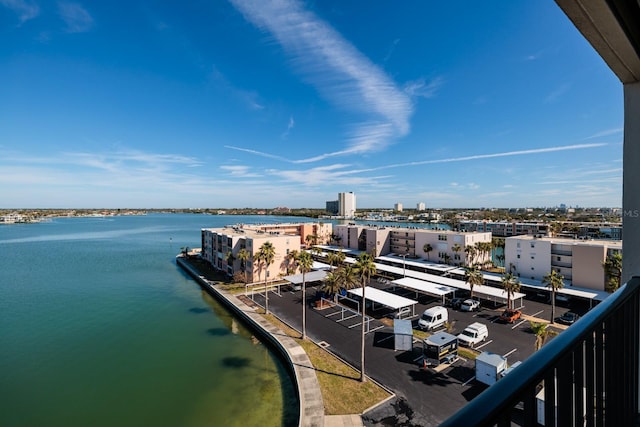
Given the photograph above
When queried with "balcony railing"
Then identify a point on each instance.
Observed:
(589, 374)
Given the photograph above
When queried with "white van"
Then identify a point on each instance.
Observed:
(473, 334)
(433, 317)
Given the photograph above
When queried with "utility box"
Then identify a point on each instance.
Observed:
(440, 348)
(403, 333)
(489, 367)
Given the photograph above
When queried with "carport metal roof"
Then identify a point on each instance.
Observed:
(429, 288)
(485, 292)
(384, 298)
(312, 276)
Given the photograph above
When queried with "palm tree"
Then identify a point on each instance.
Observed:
(243, 256)
(365, 267)
(511, 285)
(304, 262)
(266, 254)
(347, 277)
(613, 271)
(555, 281)
(427, 248)
(331, 258)
(473, 276)
(456, 248)
(471, 251)
(340, 257)
(291, 260)
(230, 258)
(331, 283)
(446, 258)
(555, 228)
(541, 332)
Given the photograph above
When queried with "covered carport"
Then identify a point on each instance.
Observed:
(312, 276)
(422, 287)
(489, 293)
(387, 299)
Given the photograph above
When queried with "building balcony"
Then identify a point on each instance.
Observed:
(565, 264)
(588, 374)
(561, 252)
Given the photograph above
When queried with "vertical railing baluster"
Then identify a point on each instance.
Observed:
(530, 412)
(613, 345)
(590, 372)
(550, 398)
(564, 381)
(634, 360)
(579, 389)
(599, 375)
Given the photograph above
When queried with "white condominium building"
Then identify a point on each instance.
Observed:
(443, 246)
(347, 204)
(579, 261)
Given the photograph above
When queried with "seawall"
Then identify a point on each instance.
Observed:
(306, 381)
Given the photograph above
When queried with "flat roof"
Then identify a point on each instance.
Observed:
(417, 262)
(422, 286)
(312, 276)
(570, 290)
(385, 298)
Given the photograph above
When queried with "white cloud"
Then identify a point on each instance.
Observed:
(249, 98)
(240, 171)
(25, 10)
(422, 88)
(76, 17)
(337, 70)
(557, 93)
(607, 132)
(290, 126)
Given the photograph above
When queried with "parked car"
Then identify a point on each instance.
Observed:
(569, 318)
(473, 334)
(510, 315)
(470, 305)
(455, 303)
(433, 317)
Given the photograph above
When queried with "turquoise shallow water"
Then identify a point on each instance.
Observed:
(98, 326)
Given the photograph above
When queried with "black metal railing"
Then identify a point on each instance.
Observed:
(586, 376)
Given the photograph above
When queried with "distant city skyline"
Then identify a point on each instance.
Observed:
(261, 104)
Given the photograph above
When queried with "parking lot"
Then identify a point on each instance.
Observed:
(433, 396)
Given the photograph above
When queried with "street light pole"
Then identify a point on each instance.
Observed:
(404, 266)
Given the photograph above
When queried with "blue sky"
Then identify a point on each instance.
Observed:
(250, 103)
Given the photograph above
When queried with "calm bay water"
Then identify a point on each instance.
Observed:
(99, 327)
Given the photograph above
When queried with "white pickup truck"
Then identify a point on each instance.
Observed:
(473, 334)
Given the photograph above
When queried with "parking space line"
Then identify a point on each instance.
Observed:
(480, 346)
(469, 380)
(509, 353)
(384, 339)
(518, 324)
(535, 314)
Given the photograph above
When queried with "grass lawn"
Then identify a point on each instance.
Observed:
(342, 391)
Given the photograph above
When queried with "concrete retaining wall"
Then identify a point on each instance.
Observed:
(307, 385)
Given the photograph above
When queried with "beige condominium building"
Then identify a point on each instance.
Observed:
(579, 261)
(446, 246)
(220, 247)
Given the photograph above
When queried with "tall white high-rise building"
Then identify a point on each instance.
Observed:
(347, 204)
(420, 206)
(398, 207)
